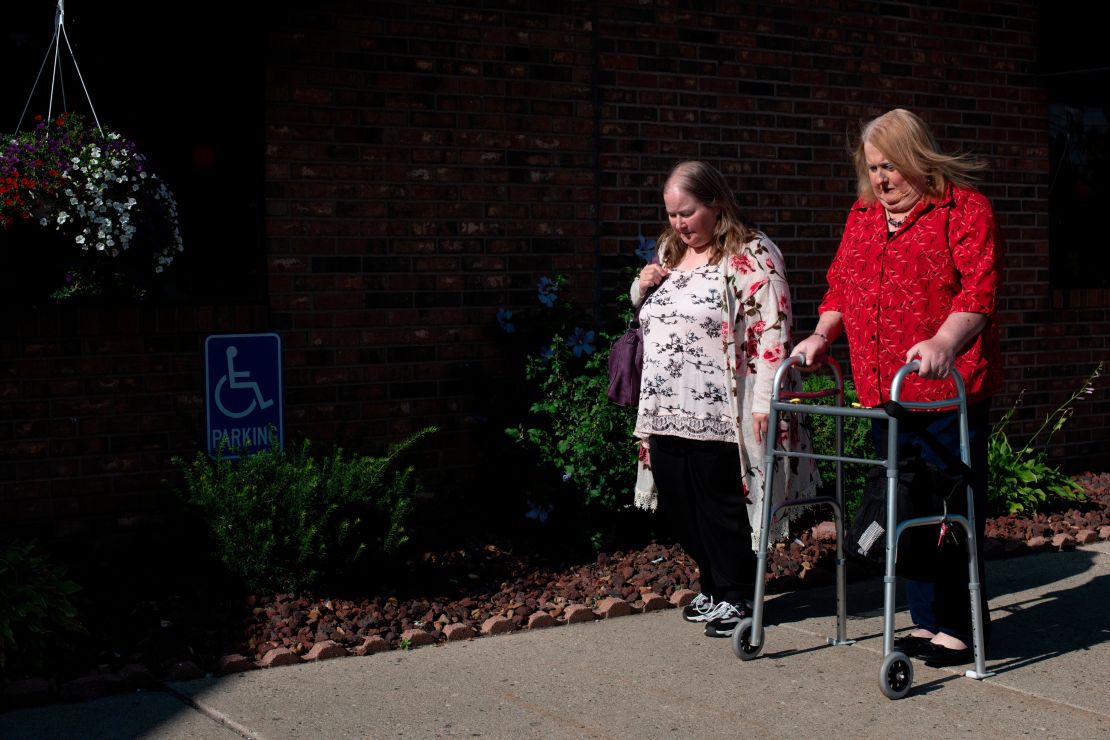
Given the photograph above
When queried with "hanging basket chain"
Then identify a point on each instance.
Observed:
(56, 75)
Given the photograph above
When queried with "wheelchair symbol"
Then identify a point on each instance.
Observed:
(237, 379)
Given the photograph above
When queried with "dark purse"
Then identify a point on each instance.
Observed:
(626, 363)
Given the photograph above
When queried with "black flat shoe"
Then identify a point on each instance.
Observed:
(912, 645)
(938, 656)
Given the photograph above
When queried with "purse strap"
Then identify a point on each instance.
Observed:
(634, 322)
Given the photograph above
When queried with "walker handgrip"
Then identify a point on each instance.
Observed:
(914, 366)
(826, 360)
(794, 359)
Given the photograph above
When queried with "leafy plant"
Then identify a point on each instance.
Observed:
(1021, 480)
(856, 439)
(287, 521)
(34, 606)
(577, 432)
(93, 186)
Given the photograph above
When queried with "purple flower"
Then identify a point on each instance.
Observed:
(646, 250)
(547, 291)
(504, 320)
(581, 342)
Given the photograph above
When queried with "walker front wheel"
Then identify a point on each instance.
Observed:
(741, 641)
(896, 676)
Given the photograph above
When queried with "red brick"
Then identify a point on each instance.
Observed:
(325, 650)
(578, 613)
(418, 637)
(541, 620)
(280, 656)
(371, 645)
(234, 664)
(496, 626)
(683, 596)
(654, 602)
(613, 607)
(458, 631)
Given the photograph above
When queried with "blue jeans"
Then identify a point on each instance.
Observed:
(941, 604)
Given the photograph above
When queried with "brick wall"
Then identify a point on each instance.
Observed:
(427, 163)
(93, 404)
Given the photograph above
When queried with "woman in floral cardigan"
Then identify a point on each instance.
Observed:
(716, 324)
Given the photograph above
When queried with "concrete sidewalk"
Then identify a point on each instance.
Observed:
(653, 675)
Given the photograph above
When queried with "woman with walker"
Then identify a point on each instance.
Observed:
(916, 277)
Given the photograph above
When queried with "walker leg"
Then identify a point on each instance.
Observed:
(974, 589)
(841, 587)
(755, 639)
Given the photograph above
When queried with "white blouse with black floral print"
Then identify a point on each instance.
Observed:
(684, 387)
(714, 338)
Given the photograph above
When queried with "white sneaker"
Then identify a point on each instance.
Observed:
(722, 621)
(698, 610)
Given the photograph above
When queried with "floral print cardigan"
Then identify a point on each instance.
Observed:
(756, 338)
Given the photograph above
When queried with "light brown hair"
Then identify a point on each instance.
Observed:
(908, 144)
(707, 185)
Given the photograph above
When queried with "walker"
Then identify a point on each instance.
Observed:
(896, 674)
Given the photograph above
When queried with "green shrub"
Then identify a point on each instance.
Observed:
(576, 430)
(856, 438)
(287, 521)
(578, 434)
(34, 607)
(1021, 481)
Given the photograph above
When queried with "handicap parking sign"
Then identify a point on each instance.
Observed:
(243, 394)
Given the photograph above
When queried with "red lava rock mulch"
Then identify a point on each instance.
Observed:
(489, 589)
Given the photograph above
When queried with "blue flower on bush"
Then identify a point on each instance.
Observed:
(547, 291)
(504, 320)
(646, 250)
(538, 512)
(581, 342)
(547, 353)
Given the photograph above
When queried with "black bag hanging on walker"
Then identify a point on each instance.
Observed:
(923, 490)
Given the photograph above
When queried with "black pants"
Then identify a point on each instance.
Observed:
(701, 493)
(941, 603)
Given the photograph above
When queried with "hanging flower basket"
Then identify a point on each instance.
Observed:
(112, 224)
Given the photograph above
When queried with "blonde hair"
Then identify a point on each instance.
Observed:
(707, 185)
(908, 144)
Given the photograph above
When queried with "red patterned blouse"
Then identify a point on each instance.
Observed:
(895, 292)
